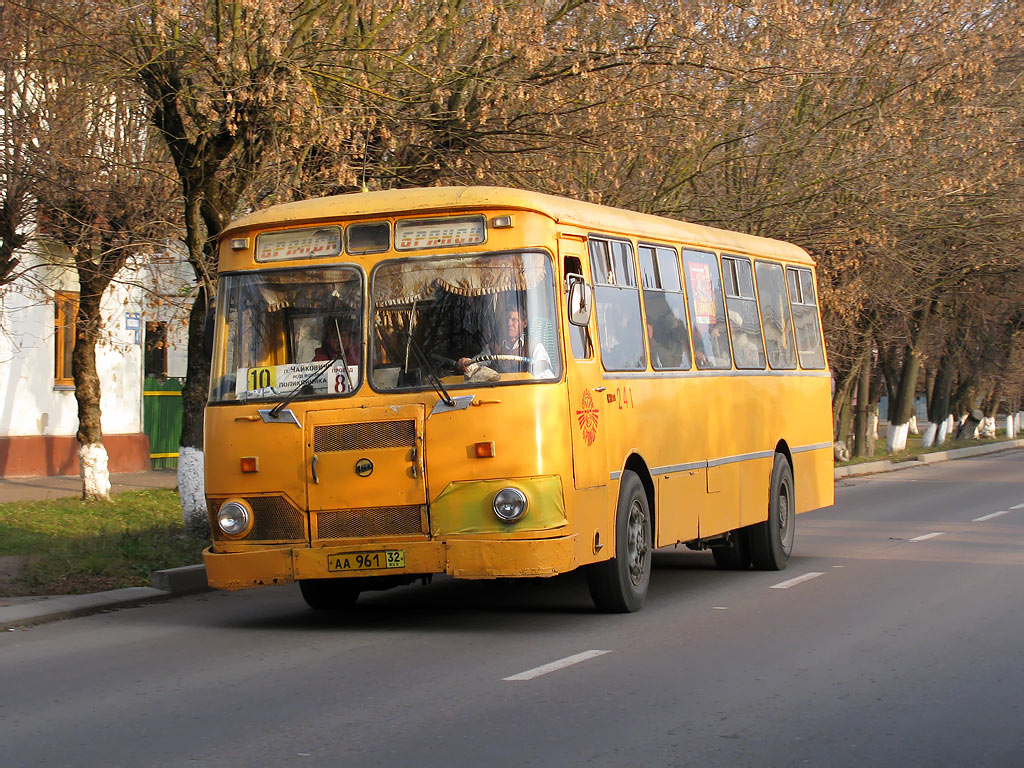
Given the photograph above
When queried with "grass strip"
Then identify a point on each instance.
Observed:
(70, 546)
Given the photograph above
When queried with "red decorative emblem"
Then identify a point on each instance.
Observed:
(587, 416)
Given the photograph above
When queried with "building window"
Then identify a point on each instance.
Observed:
(65, 308)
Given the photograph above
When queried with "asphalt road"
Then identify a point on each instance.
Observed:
(893, 638)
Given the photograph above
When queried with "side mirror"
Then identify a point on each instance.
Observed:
(580, 299)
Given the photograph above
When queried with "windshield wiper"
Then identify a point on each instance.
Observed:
(302, 385)
(431, 374)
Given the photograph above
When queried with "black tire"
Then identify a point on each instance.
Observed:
(771, 542)
(329, 594)
(734, 555)
(619, 585)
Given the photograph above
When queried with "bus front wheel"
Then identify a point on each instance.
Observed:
(619, 585)
(771, 542)
(329, 594)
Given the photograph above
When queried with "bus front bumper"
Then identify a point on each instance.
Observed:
(461, 558)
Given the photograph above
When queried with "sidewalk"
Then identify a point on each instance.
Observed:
(25, 611)
(41, 488)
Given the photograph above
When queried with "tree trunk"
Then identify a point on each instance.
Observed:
(191, 484)
(92, 454)
(860, 432)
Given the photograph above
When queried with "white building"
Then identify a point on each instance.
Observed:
(145, 318)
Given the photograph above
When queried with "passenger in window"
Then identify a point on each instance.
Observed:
(665, 355)
(744, 349)
(512, 351)
(339, 342)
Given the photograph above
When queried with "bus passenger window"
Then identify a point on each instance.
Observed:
(579, 338)
(664, 309)
(778, 327)
(617, 301)
(809, 346)
(744, 323)
(707, 311)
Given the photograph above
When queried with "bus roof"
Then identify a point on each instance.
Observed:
(563, 210)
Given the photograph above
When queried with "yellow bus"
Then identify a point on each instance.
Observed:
(494, 383)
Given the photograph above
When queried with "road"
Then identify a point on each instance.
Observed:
(893, 638)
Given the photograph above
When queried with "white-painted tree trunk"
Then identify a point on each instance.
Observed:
(192, 488)
(928, 439)
(943, 432)
(912, 425)
(896, 437)
(950, 421)
(94, 471)
(1010, 433)
(873, 423)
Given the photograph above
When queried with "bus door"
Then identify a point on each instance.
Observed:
(364, 472)
(587, 397)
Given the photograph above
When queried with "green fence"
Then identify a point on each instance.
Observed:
(161, 420)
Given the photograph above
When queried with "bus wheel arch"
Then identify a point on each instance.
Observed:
(771, 541)
(619, 584)
(638, 466)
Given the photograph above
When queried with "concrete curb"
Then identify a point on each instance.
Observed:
(26, 611)
(872, 467)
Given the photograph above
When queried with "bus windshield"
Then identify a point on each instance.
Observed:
(289, 330)
(467, 320)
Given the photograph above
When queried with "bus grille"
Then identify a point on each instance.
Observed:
(372, 521)
(364, 436)
(274, 519)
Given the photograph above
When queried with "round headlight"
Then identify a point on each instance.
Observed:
(509, 504)
(233, 518)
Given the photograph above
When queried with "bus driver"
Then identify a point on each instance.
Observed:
(513, 344)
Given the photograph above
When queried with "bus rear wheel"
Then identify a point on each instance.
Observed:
(619, 585)
(771, 542)
(329, 594)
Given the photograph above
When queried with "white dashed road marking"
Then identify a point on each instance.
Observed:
(1017, 506)
(554, 666)
(927, 536)
(797, 580)
(983, 518)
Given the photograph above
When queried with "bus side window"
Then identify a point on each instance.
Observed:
(579, 337)
(809, 346)
(664, 308)
(778, 325)
(744, 322)
(707, 311)
(617, 301)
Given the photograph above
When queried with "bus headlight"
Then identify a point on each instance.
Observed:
(509, 505)
(234, 518)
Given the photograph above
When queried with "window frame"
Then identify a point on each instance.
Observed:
(631, 283)
(686, 363)
(801, 301)
(62, 350)
(738, 295)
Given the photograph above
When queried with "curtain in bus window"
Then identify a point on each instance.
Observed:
(433, 313)
(617, 301)
(778, 327)
(707, 311)
(809, 346)
(744, 323)
(665, 309)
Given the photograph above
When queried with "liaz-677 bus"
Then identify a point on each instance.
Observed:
(493, 383)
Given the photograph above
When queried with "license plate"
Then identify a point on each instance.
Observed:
(366, 561)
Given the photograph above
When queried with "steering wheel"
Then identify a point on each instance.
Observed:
(504, 358)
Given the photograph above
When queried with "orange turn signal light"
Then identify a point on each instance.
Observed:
(250, 464)
(484, 450)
